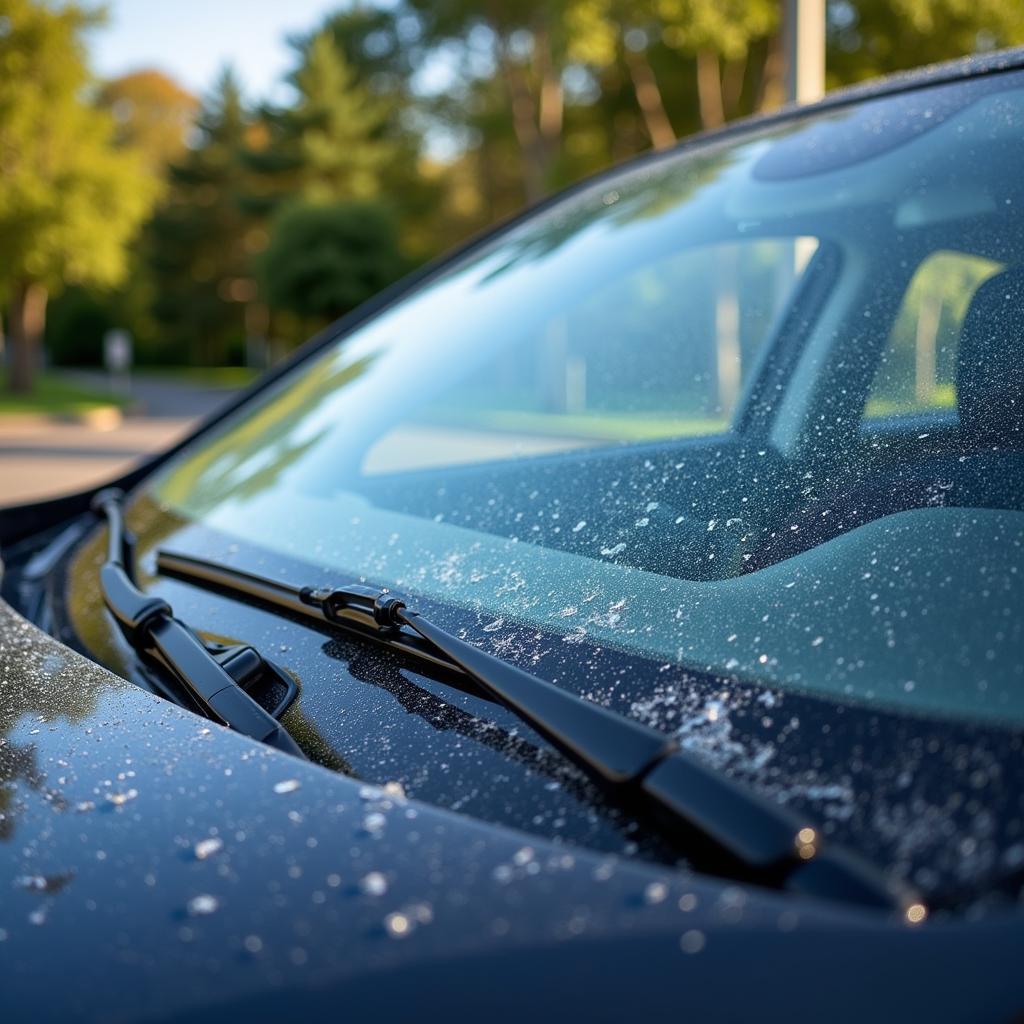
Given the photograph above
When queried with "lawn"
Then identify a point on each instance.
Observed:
(54, 395)
(203, 376)
(943, 397)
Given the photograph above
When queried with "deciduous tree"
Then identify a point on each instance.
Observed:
(326, 258)
(71, 199)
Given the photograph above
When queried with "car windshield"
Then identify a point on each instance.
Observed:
(751, 407)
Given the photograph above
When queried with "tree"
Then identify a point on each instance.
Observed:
(71, 200)
(324, 259)
(875, 37)
(153, 113)
(527, 45)
(325, 160)
(562, 64)
(382, 50)
(201, 240)
(331, 143)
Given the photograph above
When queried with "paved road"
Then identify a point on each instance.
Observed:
(45, 459)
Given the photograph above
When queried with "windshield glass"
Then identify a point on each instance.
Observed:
(752, 407)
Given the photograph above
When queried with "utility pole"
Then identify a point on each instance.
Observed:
(803, 41)
(804, 47)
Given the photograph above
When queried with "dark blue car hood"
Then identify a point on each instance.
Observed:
(157, 867)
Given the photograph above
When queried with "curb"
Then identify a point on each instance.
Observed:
(101, 418)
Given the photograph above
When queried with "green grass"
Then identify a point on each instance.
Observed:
(597, 426)
(203, 376)
(943, 397)
(55, 396)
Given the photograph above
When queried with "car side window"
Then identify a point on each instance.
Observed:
(917, 371)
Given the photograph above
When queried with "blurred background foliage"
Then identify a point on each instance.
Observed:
(221, 232)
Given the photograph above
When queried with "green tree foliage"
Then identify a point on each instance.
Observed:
(382, 50)
(75, 325)
(448, 114)
(527, 45)
(331, 142)
(876, 37)
(597, 79)
(71, 200)
(324, 259)
(153, 114)
(200, 242)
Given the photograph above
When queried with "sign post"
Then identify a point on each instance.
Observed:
(117, 358)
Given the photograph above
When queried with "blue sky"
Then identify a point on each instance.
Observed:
(192, 39)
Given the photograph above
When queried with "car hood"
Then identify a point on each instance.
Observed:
(167, 867)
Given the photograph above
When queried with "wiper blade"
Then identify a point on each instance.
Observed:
(737, 828)
(212, 679)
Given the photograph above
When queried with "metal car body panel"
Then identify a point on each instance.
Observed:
(118, 906)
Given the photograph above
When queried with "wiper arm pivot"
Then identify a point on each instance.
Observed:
(211, 677)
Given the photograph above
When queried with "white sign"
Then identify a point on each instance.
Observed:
(117, 350)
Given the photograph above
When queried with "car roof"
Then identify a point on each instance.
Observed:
(972, 66)
(946, 72)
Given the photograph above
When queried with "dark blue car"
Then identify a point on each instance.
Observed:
(622, 619)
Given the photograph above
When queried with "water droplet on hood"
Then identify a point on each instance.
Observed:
(207, 847)
(201, 905)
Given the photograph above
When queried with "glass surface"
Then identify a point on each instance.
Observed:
(682, 412)
(917, 371)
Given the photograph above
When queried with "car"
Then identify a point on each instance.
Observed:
(619, 618)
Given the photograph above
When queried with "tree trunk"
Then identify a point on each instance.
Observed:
(537, 113)
(26, 322)
(649, 99)
(732, 85)
(524, 121)
(551, 108)
(772, 92)
(709, 89)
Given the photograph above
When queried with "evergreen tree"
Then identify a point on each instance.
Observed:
(201, 240)
(331, 143)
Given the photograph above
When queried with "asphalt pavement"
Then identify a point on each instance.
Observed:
(40, 458)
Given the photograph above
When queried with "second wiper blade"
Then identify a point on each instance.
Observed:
(754, 837)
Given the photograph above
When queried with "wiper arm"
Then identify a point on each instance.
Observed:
(148, 624)
(756, 838)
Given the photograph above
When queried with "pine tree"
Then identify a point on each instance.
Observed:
(200, 242)
(332, 143)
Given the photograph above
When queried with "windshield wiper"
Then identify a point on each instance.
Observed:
(734, 827)
(212, 678)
